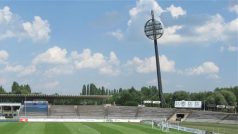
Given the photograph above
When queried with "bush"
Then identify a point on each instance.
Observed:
(131, 103)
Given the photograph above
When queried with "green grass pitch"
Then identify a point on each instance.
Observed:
(213, 127)
(79, 128)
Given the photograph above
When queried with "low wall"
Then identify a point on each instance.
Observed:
(82, 120)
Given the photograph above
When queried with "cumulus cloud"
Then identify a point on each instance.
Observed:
(171, 35)
(38, 29)
(138, 16)
(5, 15)
(229, 48)
(3, 55)
(54, 55)
(176, 12)
(21, 70)
(59, 70)
(143, 6)
(232, 48)
(89, 60)
(207, 67)
(217, 29)
(212, 29)
(234, 9)
(13, 26)
(117, 34)
(148, 65)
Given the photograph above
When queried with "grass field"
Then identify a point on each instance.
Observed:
(214, 127)
(79, 128)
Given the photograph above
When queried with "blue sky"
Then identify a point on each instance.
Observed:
(57, 46)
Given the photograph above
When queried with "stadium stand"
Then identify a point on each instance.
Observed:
(86, 111)
(154, 113)
(206, 115)
(122, 112)
(231, 117)
(63, 111)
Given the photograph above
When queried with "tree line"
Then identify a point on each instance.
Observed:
(17, 89)
(220, 96)
(132, 97)
(91, 89)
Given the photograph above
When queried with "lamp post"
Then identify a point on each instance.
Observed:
(154, 30)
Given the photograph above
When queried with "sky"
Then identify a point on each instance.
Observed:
(57, 46)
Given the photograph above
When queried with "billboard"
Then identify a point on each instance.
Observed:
(188, 104)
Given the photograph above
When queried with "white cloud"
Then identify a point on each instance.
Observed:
(214, 76)
(217, 29)
(13, 26)
(109, 70)
(89, 60)
(54, 55)
(143, 6)
(59, 70)
(232, 26)
(171, 35)
(234, 8)
(176, 11)
(232, 48)
(38, 30)
(5, 15)
(207, 67)
(229, 48)
(20, 70)
(3, 55)
(148, 65)
(214, 29)
(113, 59)
(138, 16)
(117, 34)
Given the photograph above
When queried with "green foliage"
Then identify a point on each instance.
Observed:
(2, 90)
(230, 97)
(20, 89)
(219, 98)
(128, 97)
(181, 95)
(92, 89)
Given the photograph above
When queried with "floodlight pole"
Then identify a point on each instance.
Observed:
(162, 102)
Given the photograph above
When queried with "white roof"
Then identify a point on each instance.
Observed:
(10, 104)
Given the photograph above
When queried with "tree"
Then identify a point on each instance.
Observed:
(20, 89)
(84, 90)
(230, 97)
(2, 91)
(15, 88)
(210, 100)
(219, 98)
(181, 95)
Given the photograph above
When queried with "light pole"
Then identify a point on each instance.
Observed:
(154, 30)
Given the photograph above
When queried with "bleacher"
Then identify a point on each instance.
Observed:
(63, 111)
(122, 112)
(231, 117)
(85, 111)
(154, 113)
(206, 115)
